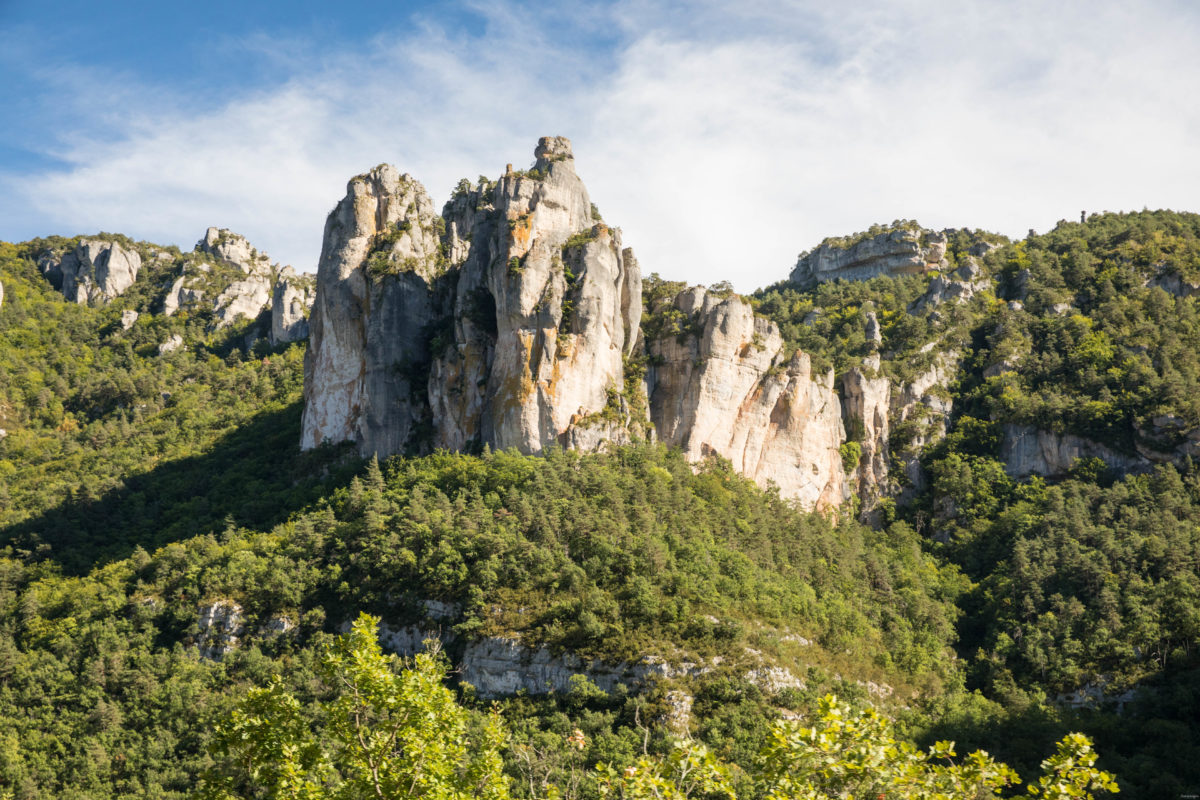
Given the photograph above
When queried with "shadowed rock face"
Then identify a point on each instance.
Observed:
(291, 301)
(507, 322)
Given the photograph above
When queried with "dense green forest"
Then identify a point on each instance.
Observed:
(139, 488)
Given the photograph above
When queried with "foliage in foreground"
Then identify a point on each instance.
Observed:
(394, 733)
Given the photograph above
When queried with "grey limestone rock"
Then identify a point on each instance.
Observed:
(729, 389)
(94, 273)
(1026, 450)
(505, 322)
(128, 318)
(867, 405)
(171, 345)
(373, 301)
(222, 625)
(291, 302)
(904, 250)
(224, 273)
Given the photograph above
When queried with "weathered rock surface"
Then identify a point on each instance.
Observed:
(1174, 283)
(867, 404)
(963, 284)
(925, 400)
(545, 306)
(221, 627)
(903, 251)
(374, 299)
(1026, 451)
(730, 390)
(228, 273)
(508, 322)
(548, 305)
(94, 273)
(291, 302)
(171, 345)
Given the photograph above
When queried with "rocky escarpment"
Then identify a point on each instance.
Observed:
(291, 301)
(902, 250)
(513, 321)
(722, 384)
(93, 273)
(225, 273)
(505, 322)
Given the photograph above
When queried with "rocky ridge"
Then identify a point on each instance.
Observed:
(902, 250)
(512, 320)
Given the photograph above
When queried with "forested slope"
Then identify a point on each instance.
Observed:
(143, 489)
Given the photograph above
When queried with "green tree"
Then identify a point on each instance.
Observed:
(388, 733)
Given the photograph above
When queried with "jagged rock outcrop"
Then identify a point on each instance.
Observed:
(225, 268)
(291, 301)
(548, 305)
(221, 625)
(128, 318)
(726, 387)
(901, 251)
(866, 404)
(545, 306)
(1026, 450)
(508, 321)
(374, 301)
(1174, 283)
(94, 273)
(963, 284)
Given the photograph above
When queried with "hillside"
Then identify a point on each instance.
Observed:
(1010, 550)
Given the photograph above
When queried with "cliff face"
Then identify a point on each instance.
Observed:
(547, 305)
(725, 387)
(227, 273)
(903, 251)
(291, 300)
(93, 273)
(512, 320)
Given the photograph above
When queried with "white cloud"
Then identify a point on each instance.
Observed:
(722, 140)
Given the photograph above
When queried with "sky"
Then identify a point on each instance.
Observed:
(723, 138)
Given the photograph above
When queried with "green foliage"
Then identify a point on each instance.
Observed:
(386, 731)
(851, 453)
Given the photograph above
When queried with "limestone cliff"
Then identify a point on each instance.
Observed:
(373, 301)
(902, 250)
(291, 302)
(513, 321)
(725, 386)
(224, 273)
(94, 273)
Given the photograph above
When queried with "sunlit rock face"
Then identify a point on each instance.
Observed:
(726, 387)
(512, 319)
(904, 251)
(504, 322)
(94, 273)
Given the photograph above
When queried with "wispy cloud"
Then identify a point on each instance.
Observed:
(723, 140)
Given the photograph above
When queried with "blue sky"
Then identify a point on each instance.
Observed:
(723, 138)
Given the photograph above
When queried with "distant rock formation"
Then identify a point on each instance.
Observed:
(94, 273)
(291, 301)
(237, 278)
(511, 320)
(903, 250)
